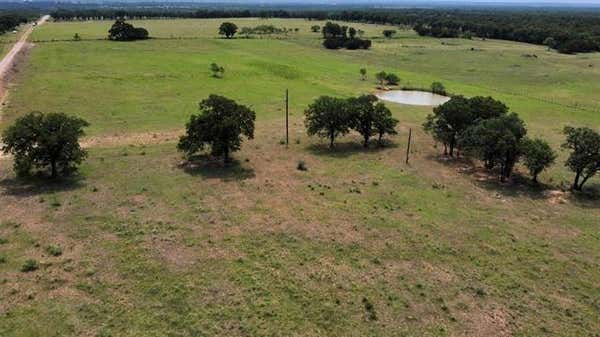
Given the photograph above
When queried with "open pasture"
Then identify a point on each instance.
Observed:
(361, 244)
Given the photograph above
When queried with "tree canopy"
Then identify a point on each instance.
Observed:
(228, 29)
(584, 158)
(41, 141)
(328, 117)
(220, 125)
(123, 31)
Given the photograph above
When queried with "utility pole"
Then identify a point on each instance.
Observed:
(408, 147)
(287, 133)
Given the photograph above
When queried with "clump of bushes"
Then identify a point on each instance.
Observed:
(217, 70)
(387, 78)
(337, 37)
(330, 117)
(30, 265)
(123, 31)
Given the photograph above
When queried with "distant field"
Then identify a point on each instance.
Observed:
(361, 244)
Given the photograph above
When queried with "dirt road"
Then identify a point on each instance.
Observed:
(10, 58)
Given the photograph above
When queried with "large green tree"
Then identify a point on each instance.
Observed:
(584, 158)
(328, 117)
(451, 119)
(228, 29)
(221, 125)
(39, 140)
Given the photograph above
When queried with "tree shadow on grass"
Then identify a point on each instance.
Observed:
(214, 168)
(347, 149)
(39, 184)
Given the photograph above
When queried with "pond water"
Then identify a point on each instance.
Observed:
(413, 97)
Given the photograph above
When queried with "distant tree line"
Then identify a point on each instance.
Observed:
(567, 31)
(10, 21)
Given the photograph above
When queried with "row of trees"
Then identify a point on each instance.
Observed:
(123, 31)
(484, 129)
(566, 31)
(336, 37)
(481, 127)
(329, 117)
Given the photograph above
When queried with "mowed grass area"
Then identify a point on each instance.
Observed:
(361, 244)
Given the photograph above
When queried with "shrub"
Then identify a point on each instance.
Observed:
(389, 33)
(30, 265)
(302, 166)
(438, 88)
(54, 250)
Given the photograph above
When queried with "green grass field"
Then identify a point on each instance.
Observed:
(361, 244)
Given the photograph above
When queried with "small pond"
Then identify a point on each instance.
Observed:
(412, 97)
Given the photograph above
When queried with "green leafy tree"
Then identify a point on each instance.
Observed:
(45, 140)
(449, 121)
(328, 117)
(123, 31)
(363, 73)
(228, 29)
(383, 122)
(486, 107)
(76, 37)
(537, 156)
(496, 141)
(362, 110)
(584, 158)
(389, 33)
(221, 125)
(381, 77)
(315, 28)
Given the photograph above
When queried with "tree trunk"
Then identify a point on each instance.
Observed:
(331, 139)
(445, 149)
(576, 182)
(226, 155)
(53, 166)
(379, 141)
(366, 142)
(535, 180)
